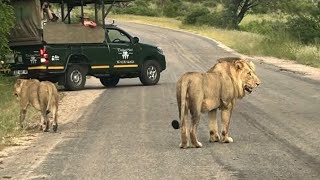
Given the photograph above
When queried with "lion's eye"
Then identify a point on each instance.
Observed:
(249, 73)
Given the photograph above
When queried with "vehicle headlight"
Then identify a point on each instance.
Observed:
(160, 50)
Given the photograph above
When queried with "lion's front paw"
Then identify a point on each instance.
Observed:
(214, 138)
(183, 145)
(55, 127)
(227, 140)
(197, 145)
(44, 128)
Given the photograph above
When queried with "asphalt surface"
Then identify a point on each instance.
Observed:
(126, 133)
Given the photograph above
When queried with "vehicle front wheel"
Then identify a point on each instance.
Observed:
(109, 81)
(75, 78)
(150, 74)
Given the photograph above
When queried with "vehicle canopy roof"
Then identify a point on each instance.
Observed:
(29, 27)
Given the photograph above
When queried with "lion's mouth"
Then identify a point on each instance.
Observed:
(248, 88)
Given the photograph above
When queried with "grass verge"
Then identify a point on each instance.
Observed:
(243, 42)
(9, 112)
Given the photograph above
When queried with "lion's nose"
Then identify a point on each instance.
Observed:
(258, 83)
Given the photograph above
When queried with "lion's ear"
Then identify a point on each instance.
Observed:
(238, 64)
(19, 82)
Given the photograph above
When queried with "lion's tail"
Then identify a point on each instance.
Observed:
(182, 96)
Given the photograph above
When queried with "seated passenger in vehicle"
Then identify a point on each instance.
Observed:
(86, 22)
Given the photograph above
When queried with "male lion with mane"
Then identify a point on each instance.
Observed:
(43, 96)
(218, 88)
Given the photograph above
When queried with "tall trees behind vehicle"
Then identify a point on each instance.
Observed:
(7, 21)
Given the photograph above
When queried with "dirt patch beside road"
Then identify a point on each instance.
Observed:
(292, 66)
(71, 108)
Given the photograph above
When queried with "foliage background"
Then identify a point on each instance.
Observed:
(7, 21)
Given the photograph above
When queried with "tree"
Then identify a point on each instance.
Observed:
(7, 21)
(236, 9)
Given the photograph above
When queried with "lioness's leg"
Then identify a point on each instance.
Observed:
(225, 116)
(213, 126)
(55, 119)
(41, 122)
(45, 123)
(23, 113)
(184, 142)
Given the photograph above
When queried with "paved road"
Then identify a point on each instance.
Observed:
(126, 133)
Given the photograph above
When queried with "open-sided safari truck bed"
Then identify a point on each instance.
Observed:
(65, 53)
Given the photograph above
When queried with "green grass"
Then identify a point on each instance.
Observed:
(277, 45)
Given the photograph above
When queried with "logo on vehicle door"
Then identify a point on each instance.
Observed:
(125, 53)
(33, 60)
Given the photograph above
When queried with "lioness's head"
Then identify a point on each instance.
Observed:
(247, 75)
(17, 87)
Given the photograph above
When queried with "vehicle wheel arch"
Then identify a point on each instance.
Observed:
(80, 60)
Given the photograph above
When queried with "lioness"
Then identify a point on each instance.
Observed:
(43, 96)
(219, 88)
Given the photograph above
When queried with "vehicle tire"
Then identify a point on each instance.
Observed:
(75, 78)
(150, 74)
(109, 81)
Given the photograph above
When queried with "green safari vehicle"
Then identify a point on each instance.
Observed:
(65, 52)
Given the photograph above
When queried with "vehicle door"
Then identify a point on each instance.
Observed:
(123, 50)
(99, 57)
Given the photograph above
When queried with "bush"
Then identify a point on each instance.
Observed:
(196, 14)
(305, 28)
(210, 3)
(175, 9)
(7, 22)
(264, 27)
(144, 11)
(139, 7)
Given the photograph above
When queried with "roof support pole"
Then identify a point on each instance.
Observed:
(103, 17)
(62, 9)
(109, 9)
(96, 12)
(69, 10)
(82, 15)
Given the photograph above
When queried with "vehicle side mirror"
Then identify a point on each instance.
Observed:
(135, 40)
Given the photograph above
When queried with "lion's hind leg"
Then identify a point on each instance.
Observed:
(184, 138)
(55, 119)
(44, 118)
(45, 121)
(195, 119)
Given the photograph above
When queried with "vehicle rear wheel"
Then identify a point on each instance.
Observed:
(150, 74)
(75, 78)
(109, 81)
